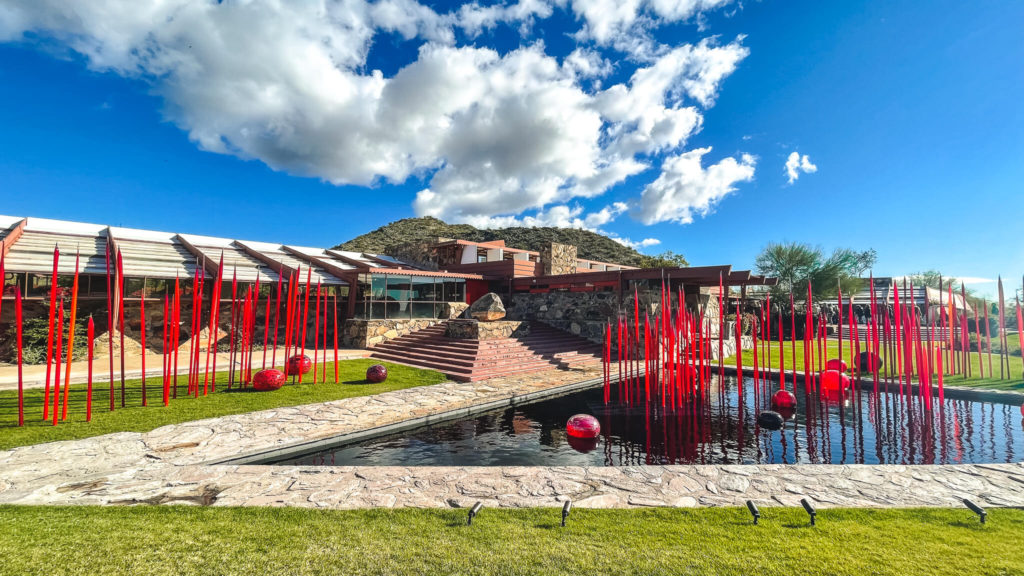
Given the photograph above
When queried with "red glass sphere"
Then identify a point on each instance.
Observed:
(299, 364)
(835, 395)
(783, 399)
(836, 364)
(377, 373)
(583, 426)
(834, 380)
(267, 380)
(786, 413)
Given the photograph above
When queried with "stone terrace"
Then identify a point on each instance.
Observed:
(177, 464)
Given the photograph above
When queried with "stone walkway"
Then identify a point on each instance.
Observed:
(179, 464)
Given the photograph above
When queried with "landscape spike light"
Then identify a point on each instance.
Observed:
(976, 509)
(473, 512)
(566, 508)
(809, 508)
(754, 511)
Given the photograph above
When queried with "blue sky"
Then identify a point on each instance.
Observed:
(909, 110)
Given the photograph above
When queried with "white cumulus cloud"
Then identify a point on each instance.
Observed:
(796, 164)
(498, 136)
(685, 187)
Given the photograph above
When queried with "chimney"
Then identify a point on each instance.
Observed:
(558, 259)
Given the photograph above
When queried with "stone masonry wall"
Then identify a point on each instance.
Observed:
(582, 313)
(476, 330)
(558, 259)
(366, 333)
(587, 314)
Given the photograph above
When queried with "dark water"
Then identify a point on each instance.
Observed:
(863, 428)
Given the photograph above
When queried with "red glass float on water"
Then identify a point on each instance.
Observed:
(786, 413)
(299, 364)
(836, 364)
(376, 373)
(834, 380)
(836, 395)
(783, 399)
(267, 380)
(582, 445)
(583, 426)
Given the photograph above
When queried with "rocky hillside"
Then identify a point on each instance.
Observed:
(589, 245)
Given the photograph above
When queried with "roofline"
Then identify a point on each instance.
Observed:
(435, 273)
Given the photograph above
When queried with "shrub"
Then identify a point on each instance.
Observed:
(34, 334)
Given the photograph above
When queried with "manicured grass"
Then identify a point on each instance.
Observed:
(1015, 383)
(270, 541)
(136, 418)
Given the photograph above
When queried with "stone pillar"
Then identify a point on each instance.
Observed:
(558, 259)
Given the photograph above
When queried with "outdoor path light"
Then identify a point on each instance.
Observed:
(565, 511)
(754, 511)
(976, 509)
(473, 512)
(809, 508)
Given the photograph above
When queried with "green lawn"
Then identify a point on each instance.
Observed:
(136, 418)
(269, 541)
(1016, 383)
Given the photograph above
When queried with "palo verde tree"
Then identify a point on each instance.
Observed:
(794, 264)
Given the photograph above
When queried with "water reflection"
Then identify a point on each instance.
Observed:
(858, 427)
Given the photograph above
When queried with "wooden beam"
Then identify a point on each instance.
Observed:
(12, 235)
(348, 276)
(345, 259)
(209, 265)
(278, 267)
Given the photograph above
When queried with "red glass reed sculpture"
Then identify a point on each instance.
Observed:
(18, 342)
(50, 334)
(71, 338)
(90, 334)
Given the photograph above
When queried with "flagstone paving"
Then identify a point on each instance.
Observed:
(178, 464)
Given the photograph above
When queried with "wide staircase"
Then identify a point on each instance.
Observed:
(468, 360)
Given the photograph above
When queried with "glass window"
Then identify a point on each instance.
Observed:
(402, 297)
(454, 290)
(423, 289)
(399, 288)
(10, 280)
(92, 285)
(423, 310)
(39, 285)
(377, 291)
(396, 310)
(133, 288)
